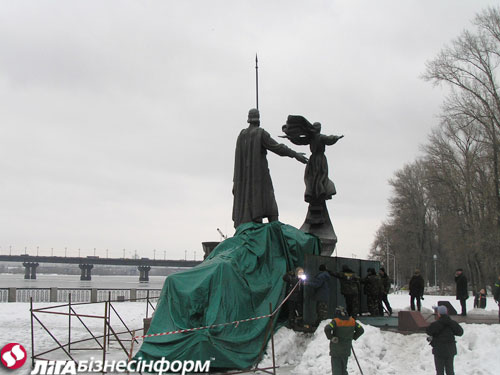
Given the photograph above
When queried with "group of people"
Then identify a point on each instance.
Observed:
(343, 329)
(375, 285)
(417, 284)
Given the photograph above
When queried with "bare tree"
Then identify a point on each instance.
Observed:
(448, 202)
(469, 67)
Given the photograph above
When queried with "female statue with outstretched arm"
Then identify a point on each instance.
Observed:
(301, 132)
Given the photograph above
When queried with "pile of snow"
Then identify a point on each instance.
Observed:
(389, 352)
(385, 352)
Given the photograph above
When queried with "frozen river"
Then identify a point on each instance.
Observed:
(73, 281)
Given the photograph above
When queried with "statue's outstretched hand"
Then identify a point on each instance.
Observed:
(300, 157)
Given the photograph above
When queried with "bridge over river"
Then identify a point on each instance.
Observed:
(86, 264)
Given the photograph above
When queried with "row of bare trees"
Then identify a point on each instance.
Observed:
(447, 203)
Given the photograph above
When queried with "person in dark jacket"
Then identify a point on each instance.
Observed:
(295, 301)
(349, 288)
(386, 283)
(462, 293)
(480, 300)
(496, 295)
(443, 332)
(322, 292)
(416, 290)
(373, 289)
(341, 331)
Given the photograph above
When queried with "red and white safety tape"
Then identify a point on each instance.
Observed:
(236, 322)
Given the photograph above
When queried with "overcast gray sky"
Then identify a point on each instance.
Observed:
(118, 119)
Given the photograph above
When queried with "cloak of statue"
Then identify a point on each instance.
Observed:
(252, 186)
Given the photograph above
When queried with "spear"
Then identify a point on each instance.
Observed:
(257, 80)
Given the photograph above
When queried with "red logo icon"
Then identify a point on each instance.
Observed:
(13, 355)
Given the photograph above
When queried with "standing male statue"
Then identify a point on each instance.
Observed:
(252, 186)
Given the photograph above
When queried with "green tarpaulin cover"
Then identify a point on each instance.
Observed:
(237, 281)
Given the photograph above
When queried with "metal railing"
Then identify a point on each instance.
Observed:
(78, 295)
(4, 295)
(38, 294)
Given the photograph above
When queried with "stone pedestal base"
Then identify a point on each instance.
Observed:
(318, 223)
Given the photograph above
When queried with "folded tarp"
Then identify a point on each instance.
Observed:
(237, 281)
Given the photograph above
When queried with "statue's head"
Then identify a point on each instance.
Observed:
(317, 127)
(253, 116)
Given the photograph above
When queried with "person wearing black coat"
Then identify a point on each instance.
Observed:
(386, 282)
(443, 332)
(462, 293)
(349, 288)
(416, 286)
(295, 301)
(373, 288)
(320, 283)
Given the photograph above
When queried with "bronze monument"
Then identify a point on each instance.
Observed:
(252, 186)
(319, 187)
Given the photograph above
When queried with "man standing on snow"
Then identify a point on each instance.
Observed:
(386, 282)
(322, 292)
(416, 287)
(295, 301)
(349, 288)
(341, 331)
(373, 288)
(443, 332)
(462, 292)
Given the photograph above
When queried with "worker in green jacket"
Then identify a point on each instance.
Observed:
(341, 331)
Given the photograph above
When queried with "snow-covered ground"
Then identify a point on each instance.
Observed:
(378, 352)
(383, 352)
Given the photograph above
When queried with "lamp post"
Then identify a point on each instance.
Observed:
(387, 252)
(435, 257)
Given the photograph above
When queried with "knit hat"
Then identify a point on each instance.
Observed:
(441, 310)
